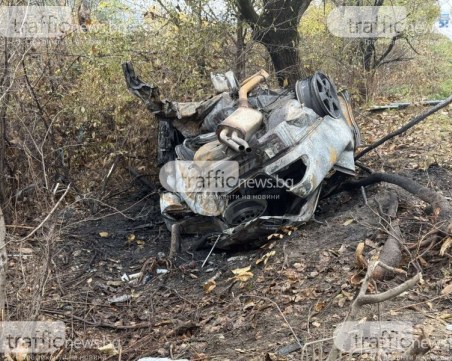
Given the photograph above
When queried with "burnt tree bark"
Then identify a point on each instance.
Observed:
(276, 27)
(240, 56)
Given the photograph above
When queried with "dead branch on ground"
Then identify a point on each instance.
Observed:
(441, 207)
(391, 253)
(70, 318)
(365, 299)
(417, 119)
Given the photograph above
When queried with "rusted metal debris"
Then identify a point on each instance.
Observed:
(287, 141)
(403, 105)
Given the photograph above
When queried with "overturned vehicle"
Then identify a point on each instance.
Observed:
(279, 145)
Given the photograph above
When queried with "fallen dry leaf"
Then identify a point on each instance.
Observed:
(446, 245)
(355, 279)
(288, 230)
(209, 286)
(319, 306)
(341, 300)
(265, 257)
(347, 295)
(242, 274)
(275, 235)
(108, 349)
(248, 305)
(347, 222)
(291, 274)
(446, 290)
(359, 258)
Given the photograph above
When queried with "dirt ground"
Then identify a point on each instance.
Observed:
(87, 274)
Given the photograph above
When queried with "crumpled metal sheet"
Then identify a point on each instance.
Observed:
(294, 133)
(203, 203)
(294, 143)
(320, 144)
(171, 205)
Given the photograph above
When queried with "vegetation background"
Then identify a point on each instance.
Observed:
(66, 117)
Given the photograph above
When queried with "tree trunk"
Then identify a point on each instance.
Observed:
(240, 56)
(367, 48)
(276, 27)
(286, 60)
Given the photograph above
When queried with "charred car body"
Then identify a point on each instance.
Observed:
(286, 141)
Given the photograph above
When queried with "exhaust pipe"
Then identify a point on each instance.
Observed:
(240, 126)
(249, 84)
(241, 142)
(223, 137)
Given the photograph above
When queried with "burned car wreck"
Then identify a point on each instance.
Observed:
(287, 142)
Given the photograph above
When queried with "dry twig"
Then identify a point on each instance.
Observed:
(48, 216)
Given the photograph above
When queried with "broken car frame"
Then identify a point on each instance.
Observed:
(288, 142)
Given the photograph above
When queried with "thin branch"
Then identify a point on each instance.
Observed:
(101, 324)
(300, 343)
(388, 50)
(48, 216)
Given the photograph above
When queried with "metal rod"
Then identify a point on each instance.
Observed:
(211, 250)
